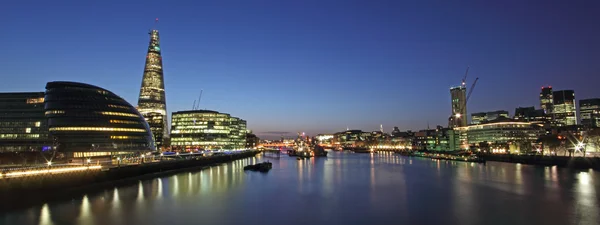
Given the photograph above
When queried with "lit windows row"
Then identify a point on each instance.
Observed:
(49, 112)
(118, 106)
(118, 114)
(126, 137)
(200, 131)
(124, 122)
(19, 136)
(117, 129)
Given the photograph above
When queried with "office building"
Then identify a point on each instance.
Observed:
(565, 110)
(589, 110)
(530, 114)
(88, 121)
(23, 126)
(206, 130)
(152, 100)
(482, 117)
(439, 139)
(459, 107)
(546, 100)
(517, 136)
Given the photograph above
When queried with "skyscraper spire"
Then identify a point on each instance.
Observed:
(152, 101)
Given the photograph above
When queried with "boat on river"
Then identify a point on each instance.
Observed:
(447, 156)
(261, 167)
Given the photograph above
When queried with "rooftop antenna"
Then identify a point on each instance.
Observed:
(155, 23)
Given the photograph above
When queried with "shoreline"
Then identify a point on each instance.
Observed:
(94, 182)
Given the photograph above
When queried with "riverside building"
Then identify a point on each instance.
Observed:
(23, 126)
(196, 130)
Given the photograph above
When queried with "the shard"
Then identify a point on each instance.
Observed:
(152, 101)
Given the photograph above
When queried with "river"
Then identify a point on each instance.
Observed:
(344, 188)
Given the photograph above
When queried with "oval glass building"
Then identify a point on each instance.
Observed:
(86, 121)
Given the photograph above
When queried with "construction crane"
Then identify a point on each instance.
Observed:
(464, 80)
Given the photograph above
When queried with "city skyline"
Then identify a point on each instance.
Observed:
(301, 75)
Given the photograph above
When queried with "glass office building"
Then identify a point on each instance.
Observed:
(86, 121)
(23, 126)
(515, 134)
(565, 110)
(206, 130)
(590, 112)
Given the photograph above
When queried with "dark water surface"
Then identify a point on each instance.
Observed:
(344, 188)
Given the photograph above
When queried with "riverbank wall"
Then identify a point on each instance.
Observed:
(25, 191)
(561, 161)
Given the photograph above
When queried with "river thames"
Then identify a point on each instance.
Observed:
(344, 188)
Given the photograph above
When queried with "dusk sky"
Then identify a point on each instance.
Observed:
(313, 66)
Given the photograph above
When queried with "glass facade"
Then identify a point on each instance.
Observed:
(206, 130)
(565, 110)
(83, 118)
(152, 100)
(503, 132)
(590, 112)
(546, 100)
(530, 114)
(23, 126)
(459, 107)
(482, 117)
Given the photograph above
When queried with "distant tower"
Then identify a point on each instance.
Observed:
(152, 101)
(546, 100)
(381, 128)
(459, 106)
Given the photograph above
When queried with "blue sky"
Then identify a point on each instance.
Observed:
(313, 66)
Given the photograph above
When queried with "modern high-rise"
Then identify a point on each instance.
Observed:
(565, 110)
(589, 110)
(459, 107)
(546, 101)
(152, 101)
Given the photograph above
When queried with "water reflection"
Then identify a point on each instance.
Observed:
(384, 186)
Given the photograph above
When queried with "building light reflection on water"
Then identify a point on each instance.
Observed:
(85, 216)
(586, 196)
(45, 218)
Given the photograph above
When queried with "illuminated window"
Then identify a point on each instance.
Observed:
(37, 124)
(35, 100)
(28, 130)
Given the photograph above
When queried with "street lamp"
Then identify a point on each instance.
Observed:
(119, 161)
(457, 115)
